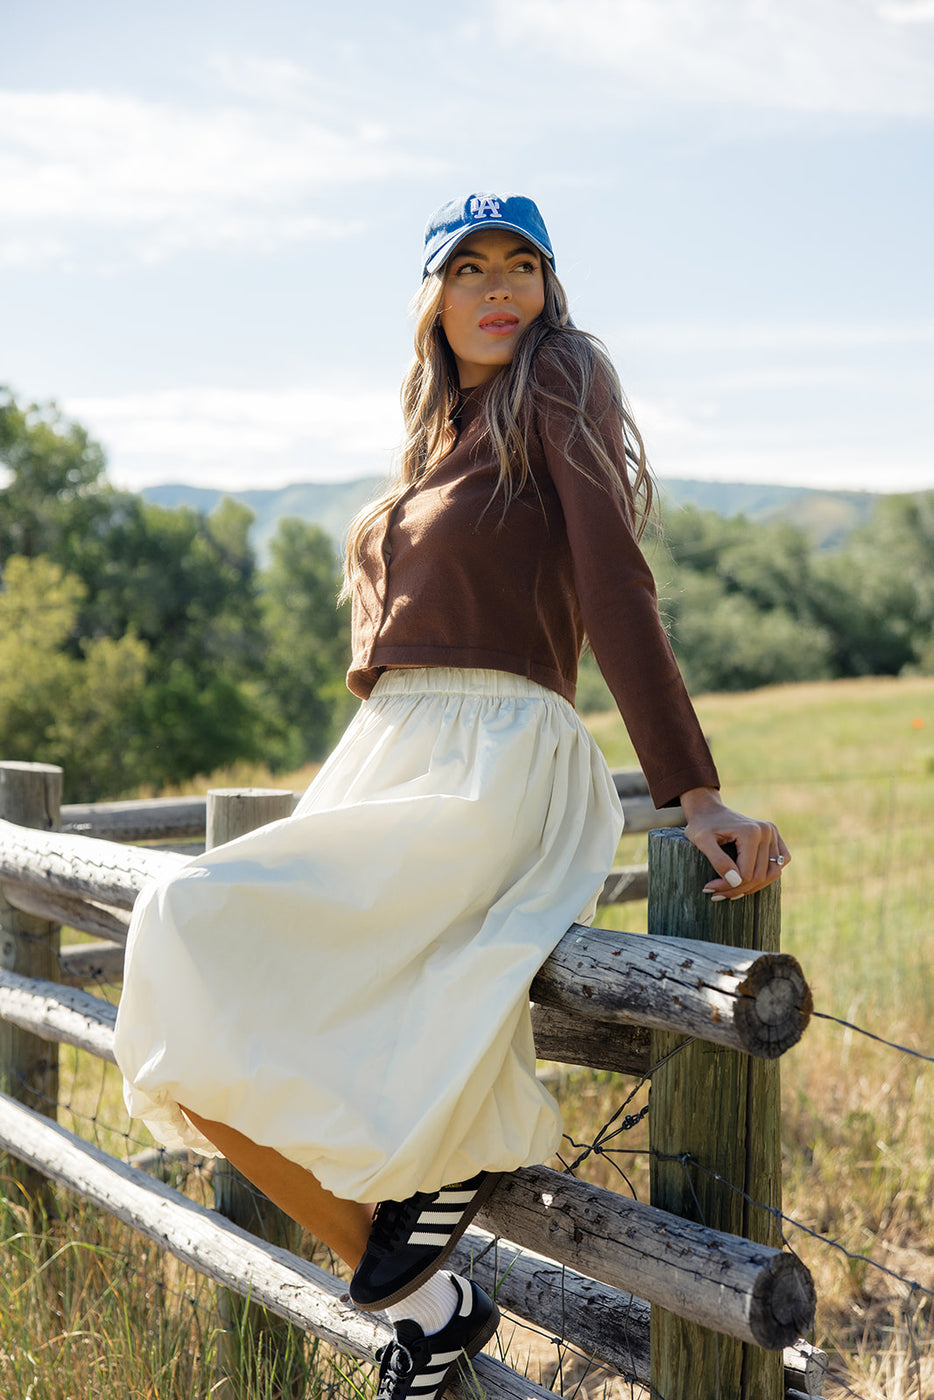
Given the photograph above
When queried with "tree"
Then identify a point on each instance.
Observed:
(56, 486)
(308, 640)
(182, 585)
(80, 712)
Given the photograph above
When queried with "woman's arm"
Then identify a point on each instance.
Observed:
(761, 853)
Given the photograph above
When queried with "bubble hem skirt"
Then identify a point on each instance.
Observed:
(350, 985)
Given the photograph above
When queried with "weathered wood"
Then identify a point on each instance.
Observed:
(607, 1237)
(749, 1291)
(80, 914)
(639, 810)
(641, 814)
(624, 884)
(84, 964)
(605, 1324)
(573, 1039)
(149, 819)
(629, 782)
(754, 1002)
(721, 1110)
(58, 1014)
(233, 812)
(747, 1000)
(30, 795)
(718, 1279)
(81, 866)
(295, 1290)
(559, 1036)
(806, 1369)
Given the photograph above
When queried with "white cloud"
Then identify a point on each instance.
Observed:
(839, 56)
(799, 338)
(244, 438)
(163, 177)
(833, 468)
(908, 11)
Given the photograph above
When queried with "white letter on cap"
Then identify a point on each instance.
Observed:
(485, 208)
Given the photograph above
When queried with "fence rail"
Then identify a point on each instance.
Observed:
(564, 1254)
(176, 819)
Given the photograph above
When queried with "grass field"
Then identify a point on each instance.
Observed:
(847, 771)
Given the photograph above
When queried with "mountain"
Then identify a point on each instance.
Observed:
(827, 516)
(330, 504)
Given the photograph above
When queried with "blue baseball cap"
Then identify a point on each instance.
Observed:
(459, 217)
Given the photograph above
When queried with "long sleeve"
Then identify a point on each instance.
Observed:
(619, 610)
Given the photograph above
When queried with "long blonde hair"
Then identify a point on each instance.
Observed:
(430, 395)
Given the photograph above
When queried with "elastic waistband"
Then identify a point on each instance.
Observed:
(458, 680)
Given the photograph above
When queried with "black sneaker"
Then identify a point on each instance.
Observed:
(415, 1367)
(411, 1239)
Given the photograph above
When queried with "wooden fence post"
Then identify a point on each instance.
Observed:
(721, 1107)
(30, 795)
(232, 812)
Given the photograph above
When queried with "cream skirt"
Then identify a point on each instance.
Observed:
(350, 985)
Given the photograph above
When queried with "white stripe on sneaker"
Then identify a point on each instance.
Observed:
(427, 1237)
(439, 1217)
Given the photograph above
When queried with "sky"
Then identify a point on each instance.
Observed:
(211, 220)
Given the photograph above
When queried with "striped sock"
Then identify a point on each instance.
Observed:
(432, 1305)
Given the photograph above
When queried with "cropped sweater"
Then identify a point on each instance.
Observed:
(449, 580)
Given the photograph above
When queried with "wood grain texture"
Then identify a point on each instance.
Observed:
(625, 884)
(573, 1039)
(720, 1110)
(151, 819)
(58, 1014)
(749, 1291)
(79, 914)
(81, 866)
(92, 963)
(753, 1001)
(607, 1325)
(30, 795)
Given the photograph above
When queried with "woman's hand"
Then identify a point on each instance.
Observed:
(761, 854)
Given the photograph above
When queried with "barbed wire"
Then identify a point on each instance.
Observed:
(871, 1035)
(687, 1160)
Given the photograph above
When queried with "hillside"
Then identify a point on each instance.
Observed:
(828, 516)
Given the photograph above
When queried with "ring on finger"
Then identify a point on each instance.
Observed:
(777, 860)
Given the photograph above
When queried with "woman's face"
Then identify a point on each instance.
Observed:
(494, 288)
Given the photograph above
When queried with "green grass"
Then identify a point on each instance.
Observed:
(847, 772)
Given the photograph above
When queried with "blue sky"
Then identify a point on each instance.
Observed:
(211, 219)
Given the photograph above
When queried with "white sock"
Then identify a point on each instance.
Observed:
(432, 1305)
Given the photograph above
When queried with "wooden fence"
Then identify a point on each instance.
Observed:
(690, 1306)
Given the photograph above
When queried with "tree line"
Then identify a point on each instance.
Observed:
(141, 645)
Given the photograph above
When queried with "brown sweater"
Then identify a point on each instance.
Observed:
(450, 583)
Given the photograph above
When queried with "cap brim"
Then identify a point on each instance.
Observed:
(439, 258)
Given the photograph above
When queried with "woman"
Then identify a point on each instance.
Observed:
(378, 1045)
